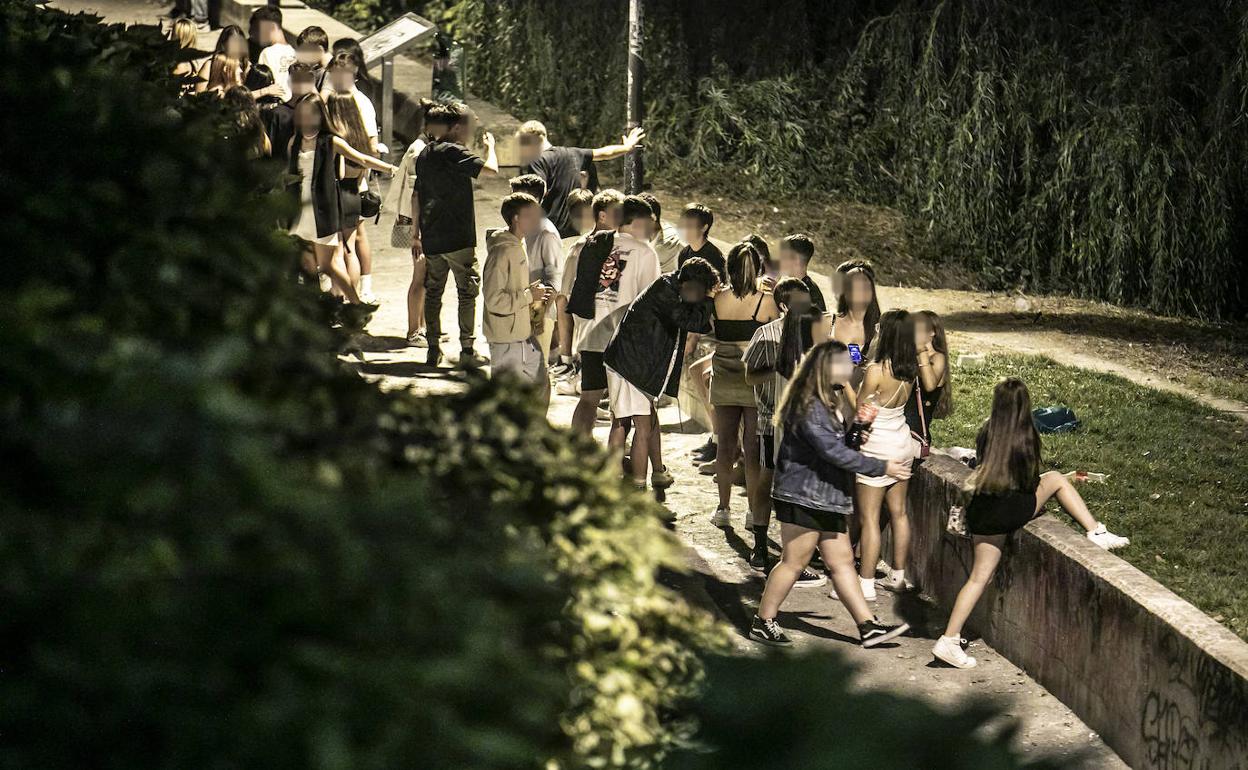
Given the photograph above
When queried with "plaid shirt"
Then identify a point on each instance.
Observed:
(762, 353)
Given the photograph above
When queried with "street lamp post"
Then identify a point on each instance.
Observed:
(634, 167)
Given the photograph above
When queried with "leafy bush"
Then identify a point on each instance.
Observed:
(1091, 148)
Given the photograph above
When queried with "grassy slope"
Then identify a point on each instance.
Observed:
(1178, 475)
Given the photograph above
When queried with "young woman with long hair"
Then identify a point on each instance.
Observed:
(857, 314)
(887, 383)
(812, 491)
(183, 32)
(224, 73)
(933, 399)
(1007, 491)
(739, 312)
(250, 124)
(803, 328)
(345, 121)
(231, 46)
(314, 153)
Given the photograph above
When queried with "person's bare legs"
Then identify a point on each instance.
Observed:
(352, 258)
(900, 519)
(586, 412)
(364, 250)
(700, 379)
(307, 260)
(797, 546)
(617, 437)
(656, 443)
(416, 297)
(838, 557)
(870, 500)
(760, 504)
(987, 556)
(564, 329)
(331, 267)
(1054, 484)
(749, 448)
(643, 428)
(727, 422)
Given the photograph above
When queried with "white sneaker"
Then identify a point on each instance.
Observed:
(890, 582)
(1106, 539)
(368, 298)
(417, 339)
(570, 386)
(949, 649)
(721, 518)
(882, 566)
(868, 588)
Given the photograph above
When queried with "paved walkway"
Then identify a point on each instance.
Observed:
(816, 621)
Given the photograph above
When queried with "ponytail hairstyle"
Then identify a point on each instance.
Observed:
(744, 266)
(796, 336)
(343, 116)
(812, 380)
(1010, 456)
(859, 270)
(944, 407)
(895, 348)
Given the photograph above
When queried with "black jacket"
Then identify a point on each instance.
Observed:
(648, 348)
(325, 201)
(594, 253)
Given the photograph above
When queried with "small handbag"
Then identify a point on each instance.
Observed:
(956, 523)
(401, 233)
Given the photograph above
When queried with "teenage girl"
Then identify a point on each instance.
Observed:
(888, 381)
(857, 314)
(739, 312)
(1008, 491)
(314, 153)
(812, 492)
(933, 399)
(345, 121)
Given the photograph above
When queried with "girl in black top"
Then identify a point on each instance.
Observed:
(1008, 491)
(936, 391)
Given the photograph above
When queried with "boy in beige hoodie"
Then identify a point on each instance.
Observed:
(508, 293)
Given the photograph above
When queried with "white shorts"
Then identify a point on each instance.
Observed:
(626, 399)
(521, 358)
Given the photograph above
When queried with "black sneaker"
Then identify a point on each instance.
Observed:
(758, 559)
(874, 632)
(705, 453)
(768, 632)
(433, 357)
(810, 579)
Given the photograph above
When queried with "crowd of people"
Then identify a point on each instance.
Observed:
(822, 411)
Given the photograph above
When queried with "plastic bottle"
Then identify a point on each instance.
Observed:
(1098, 478)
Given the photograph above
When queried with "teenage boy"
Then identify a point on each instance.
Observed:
(545, 249)
(646, 355)
(561, 167)
(760, 358)
(280, 120)
(605, 274)
(445, 228)
(666, 240)
(695, 228)
(509, 293)
(312, 49)
(275, 52)
(796, 251)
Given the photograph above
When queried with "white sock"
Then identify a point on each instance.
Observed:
(867, 583)
(326, 283)
(565, 359)
(366, 284)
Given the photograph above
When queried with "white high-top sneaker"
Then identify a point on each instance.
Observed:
(949, 649)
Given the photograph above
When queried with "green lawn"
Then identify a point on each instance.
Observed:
(1178, 474)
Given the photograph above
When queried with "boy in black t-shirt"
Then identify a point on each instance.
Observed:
(446, 227)
(796, 252)
(563, 169)
(695, 228)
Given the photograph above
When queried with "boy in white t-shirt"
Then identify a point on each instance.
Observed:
(276, 53)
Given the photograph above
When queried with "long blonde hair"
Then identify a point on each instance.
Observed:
(183, 31)
(224, 72)
(344, 119)
(812, 380)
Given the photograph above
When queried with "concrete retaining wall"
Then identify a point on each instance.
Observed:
(1163, 684)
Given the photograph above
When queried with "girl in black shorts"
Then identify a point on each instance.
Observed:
(813, 492)
(1008, 491)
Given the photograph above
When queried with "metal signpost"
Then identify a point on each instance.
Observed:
(634, 168)
(396, 37)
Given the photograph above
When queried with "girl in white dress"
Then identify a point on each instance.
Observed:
(888, 382)
(314, 153)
